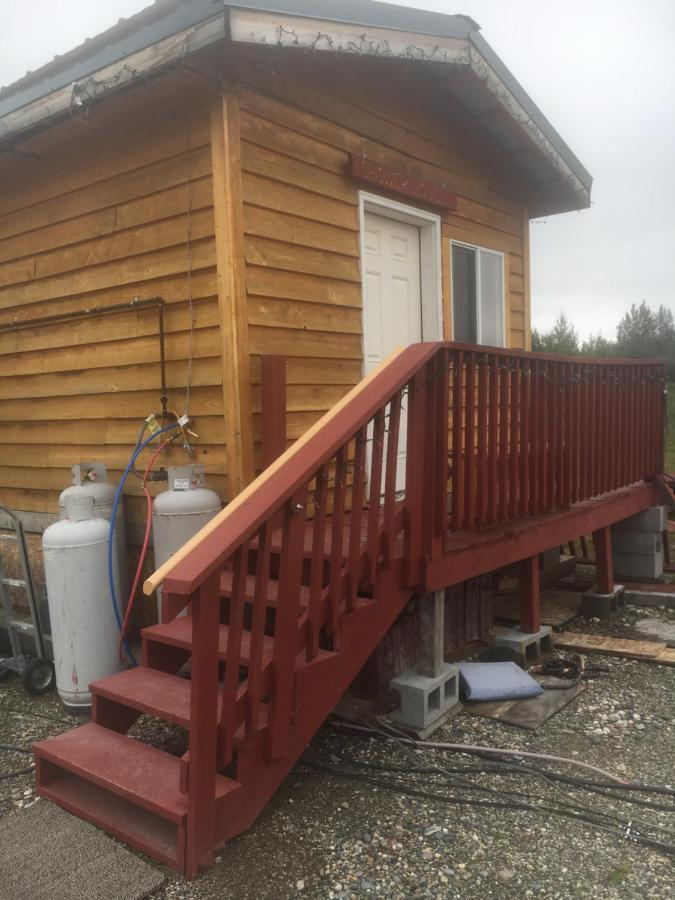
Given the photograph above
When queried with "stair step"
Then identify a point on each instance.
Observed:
(141, 774)
(150, 691)
(226, 587)
(152, 835)
(179, 634)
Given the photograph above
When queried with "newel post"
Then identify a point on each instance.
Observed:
(201, 780)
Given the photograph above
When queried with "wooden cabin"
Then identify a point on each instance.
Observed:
(322, 182)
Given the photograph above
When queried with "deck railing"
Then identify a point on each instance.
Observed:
(488, 435)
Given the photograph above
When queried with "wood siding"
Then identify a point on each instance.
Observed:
(302, 224)
(119, 204)
(95, 219)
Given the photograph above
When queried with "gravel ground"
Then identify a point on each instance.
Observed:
(328, 836)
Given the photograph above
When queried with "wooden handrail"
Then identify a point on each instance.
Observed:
(204, 553)
(210, 549)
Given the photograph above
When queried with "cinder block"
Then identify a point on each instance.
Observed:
(603, 606)
(638, 565)
(424, 699)
(631, 541)
(526, 648)
(653, 519)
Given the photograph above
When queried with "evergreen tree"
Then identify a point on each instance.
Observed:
(562, 338)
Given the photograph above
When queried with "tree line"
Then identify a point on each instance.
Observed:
(642, 333)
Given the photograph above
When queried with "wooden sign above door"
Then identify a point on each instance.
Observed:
(429, 192)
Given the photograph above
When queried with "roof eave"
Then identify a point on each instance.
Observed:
(256, 22)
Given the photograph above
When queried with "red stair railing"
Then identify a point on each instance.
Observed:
(491, 435)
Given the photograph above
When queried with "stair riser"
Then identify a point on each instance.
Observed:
(157, 838)
(164, 657)
(116, 716)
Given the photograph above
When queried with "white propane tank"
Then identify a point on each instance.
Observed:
(84, 628)
(179, 513)
(92, 478)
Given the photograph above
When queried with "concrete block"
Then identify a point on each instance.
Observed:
(650, 598)
(638, 565)
(653, 519)
(527, 649)
(424, 699)
(632, 541)
(549, 558)
(603, 606)
(566, 566)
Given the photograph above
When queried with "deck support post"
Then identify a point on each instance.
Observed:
(432, 634)
(530, 601)
(602, 541)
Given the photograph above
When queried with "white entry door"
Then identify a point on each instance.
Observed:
(392, 299)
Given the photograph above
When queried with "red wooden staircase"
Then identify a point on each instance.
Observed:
(292, 587)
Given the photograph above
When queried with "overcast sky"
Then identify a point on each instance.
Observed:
(603, 71)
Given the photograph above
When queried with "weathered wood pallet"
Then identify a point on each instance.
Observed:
(646, 651)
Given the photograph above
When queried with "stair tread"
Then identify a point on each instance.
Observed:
(179, 634)
(151, 691)
(226, 587)
(127, 767)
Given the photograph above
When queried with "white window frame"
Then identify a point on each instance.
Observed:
(479, 316)
(431, 268)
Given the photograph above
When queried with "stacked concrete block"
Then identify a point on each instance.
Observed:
(426, 700)
(527, 649)
(637, 546)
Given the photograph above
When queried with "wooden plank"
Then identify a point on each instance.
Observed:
(278, 254)
(303, 232)
(228, 214)
(170, 287)
(135, 212)
(116, 274)
(111, 191)
(273, 194)
(647, 651)
(303, 316)
(289, 285)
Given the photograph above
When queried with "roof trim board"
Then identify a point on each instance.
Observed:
(170, 29)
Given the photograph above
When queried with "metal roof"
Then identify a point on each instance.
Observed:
(169, 17)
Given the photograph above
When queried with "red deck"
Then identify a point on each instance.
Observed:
(508, 454)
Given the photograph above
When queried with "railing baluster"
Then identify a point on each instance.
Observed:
(440, 483)
(457, 515)
(390, 474)
(234, 636)
(645, 430)
(493, 488)
(567, 434)
(584, 425)
(201, 778)
(503, 440)
(286, 622)
(470, 442)
(262, 574)
(356, 516)
(337, 535)
(482, 448)
(535, 414)
(419, 470)
(318, 562)
(514, 427)
(525, 391)
(375, 495)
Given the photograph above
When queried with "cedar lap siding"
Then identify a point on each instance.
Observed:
(222, 186)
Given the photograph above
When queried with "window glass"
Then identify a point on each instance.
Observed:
(477, 296)
(464, 294)
(491, 299)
